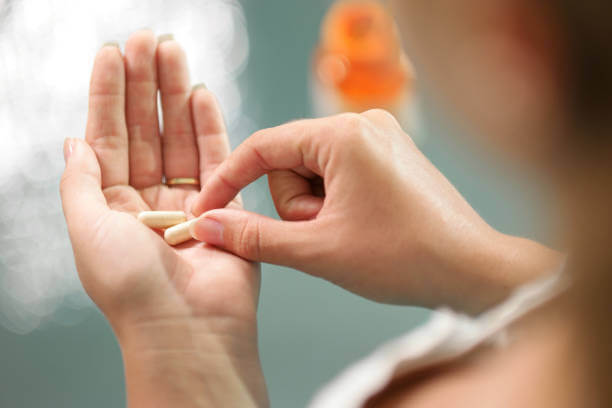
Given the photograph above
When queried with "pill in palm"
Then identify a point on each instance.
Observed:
(179, 233)
(162, 219)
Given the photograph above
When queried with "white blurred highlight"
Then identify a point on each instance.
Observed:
(46, 52)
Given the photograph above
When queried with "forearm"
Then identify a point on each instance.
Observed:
(178, 364)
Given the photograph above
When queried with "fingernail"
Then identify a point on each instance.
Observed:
(68, 147)
(209, 231)
(165, 37)
(110, 44)
(201, 85)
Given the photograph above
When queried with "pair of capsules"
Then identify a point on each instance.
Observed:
(174, 223)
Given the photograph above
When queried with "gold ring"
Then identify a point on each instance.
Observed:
(183, 181)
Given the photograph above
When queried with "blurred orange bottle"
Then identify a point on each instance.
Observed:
(359, 63)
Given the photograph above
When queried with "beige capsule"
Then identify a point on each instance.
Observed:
(162, 219)
(179, 233)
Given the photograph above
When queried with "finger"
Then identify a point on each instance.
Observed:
(282, 148)
(293, 196)
(180, 153)
(106, 128)
(258, 238)
(211, 135)
(81, 188)
(141, 108)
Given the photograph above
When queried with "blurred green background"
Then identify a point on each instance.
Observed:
(309, 329)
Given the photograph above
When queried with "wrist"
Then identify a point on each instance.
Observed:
(476, 267)
(522, 260)
(495, 264)
(192, 362)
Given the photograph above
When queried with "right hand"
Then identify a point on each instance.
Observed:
(385, 223)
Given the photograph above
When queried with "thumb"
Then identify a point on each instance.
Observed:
(258, 238)
(80, 187)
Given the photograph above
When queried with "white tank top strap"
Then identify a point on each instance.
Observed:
(445, 337)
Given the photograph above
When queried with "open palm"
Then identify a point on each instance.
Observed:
(127, 268)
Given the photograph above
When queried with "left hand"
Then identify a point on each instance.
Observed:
(185, 317)
(362, 207)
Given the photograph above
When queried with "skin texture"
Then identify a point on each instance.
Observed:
(389, 225)
(497, 68)
(360, 206)
(527, 373)
(185, 317)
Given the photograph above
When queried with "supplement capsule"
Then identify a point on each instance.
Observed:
(162, 219)
(179, 233)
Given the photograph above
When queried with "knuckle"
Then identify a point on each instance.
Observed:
(349, 128)
(256, 137)
(353, 121)
(108, 140)
(204, 101)
(382, 116)
(252, 142)
(377, 112)
(224, 181)
(249, 239)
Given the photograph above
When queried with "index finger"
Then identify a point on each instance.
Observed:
(281, 148)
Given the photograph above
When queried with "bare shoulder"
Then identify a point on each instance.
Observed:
(538, 368)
